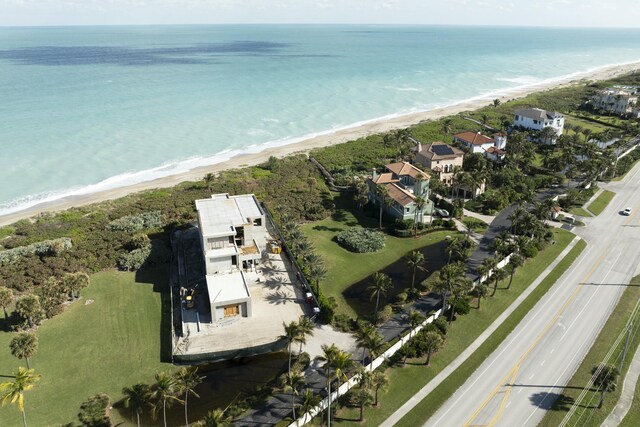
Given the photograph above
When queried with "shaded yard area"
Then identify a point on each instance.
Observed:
(406, 381)
(346, 268)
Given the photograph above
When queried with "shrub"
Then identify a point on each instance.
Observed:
(327, 309)
(343, 323)
(441, 324)
(131, 223)
(93, 411)
(358, 239)
(462, 306)
(401, 297)
(44, 248)
(135, 259)
(384, 314)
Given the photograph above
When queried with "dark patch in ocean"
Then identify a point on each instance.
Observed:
(90, 55)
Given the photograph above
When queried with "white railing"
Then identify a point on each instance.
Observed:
(354, 380)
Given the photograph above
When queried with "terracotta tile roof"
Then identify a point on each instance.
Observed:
(405, 168)
(401, 196)
(496, 151)
(473, 138)
(431, 151)
(384, 178)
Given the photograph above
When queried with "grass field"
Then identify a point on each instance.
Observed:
(406, 381)
(600, 203)
(91, 348)
(586, 414)
(344, 267)
(580, 211)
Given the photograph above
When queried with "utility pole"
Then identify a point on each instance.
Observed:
(626, 344)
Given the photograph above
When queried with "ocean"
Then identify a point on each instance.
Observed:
(84, 109)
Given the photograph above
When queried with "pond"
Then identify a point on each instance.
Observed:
(359, 298)
(224, 383)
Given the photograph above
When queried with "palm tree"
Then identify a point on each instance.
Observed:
(341, 364)
(481, 292)
(515, 217)
(362, 334)
(136, 397)
(6, 297)
(496, 103)
(291, 332)
(484, 119)
(373, 343)
(164, 392)
(379, 381)
(208, 180)
(29, 308)
(447, 126)
(498, 275)
(380, 286)
(187, 380)
(305, 328)
(317, 272)
(414, 261)
(515, 261)
(328, 356)
(487, 268)
(605, 377)
(433, 342)
(13, 391)
(386, 140)
(459, 288)
(362, 397)
(309, 401)
(383, 195)
(24, 345)
(415, 319)
(419, 203)
(294, 382)
(216, 418)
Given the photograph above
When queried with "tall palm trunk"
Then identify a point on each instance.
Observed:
(24, 418)
(293, 403)
(428, 358)
(27, 360)
(289, 357)
(495, 287)
(138, 416)
(377, 301)
(513, 270)
(186, 415)
(164, 412)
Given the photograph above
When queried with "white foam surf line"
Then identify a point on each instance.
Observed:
(177, 168)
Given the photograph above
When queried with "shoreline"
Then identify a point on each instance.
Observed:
(324, 139)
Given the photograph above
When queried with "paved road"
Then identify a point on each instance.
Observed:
(526, 373)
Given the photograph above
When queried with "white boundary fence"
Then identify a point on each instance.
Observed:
(353, 381)
(346, 386)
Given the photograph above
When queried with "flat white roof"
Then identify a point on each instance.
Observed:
(227, 287)
(219, 214)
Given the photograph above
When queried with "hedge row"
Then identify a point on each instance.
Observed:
(44, 248)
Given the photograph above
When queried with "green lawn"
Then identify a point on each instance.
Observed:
(100, 347)
(580, 211)
(597, 206)
(406, 381)
(586, 124)
(586, 413)
(346, 268)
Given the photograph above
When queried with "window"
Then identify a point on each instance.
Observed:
(408, 210)
(257, 222)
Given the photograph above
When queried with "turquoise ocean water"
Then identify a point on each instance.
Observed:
(84, 109)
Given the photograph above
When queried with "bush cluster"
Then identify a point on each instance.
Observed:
(358, 239)
(131, 223)
(45, 248)
(154, 253)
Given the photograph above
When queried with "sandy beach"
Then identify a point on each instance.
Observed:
(374, 127)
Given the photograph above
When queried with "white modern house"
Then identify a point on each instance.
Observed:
(491, 148)
(538, 119)
(618, 100)
(233, 238)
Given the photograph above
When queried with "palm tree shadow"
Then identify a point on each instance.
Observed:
(279, 298)
(552, 401)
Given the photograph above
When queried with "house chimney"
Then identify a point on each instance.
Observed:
(374, 176)
(419, 147)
